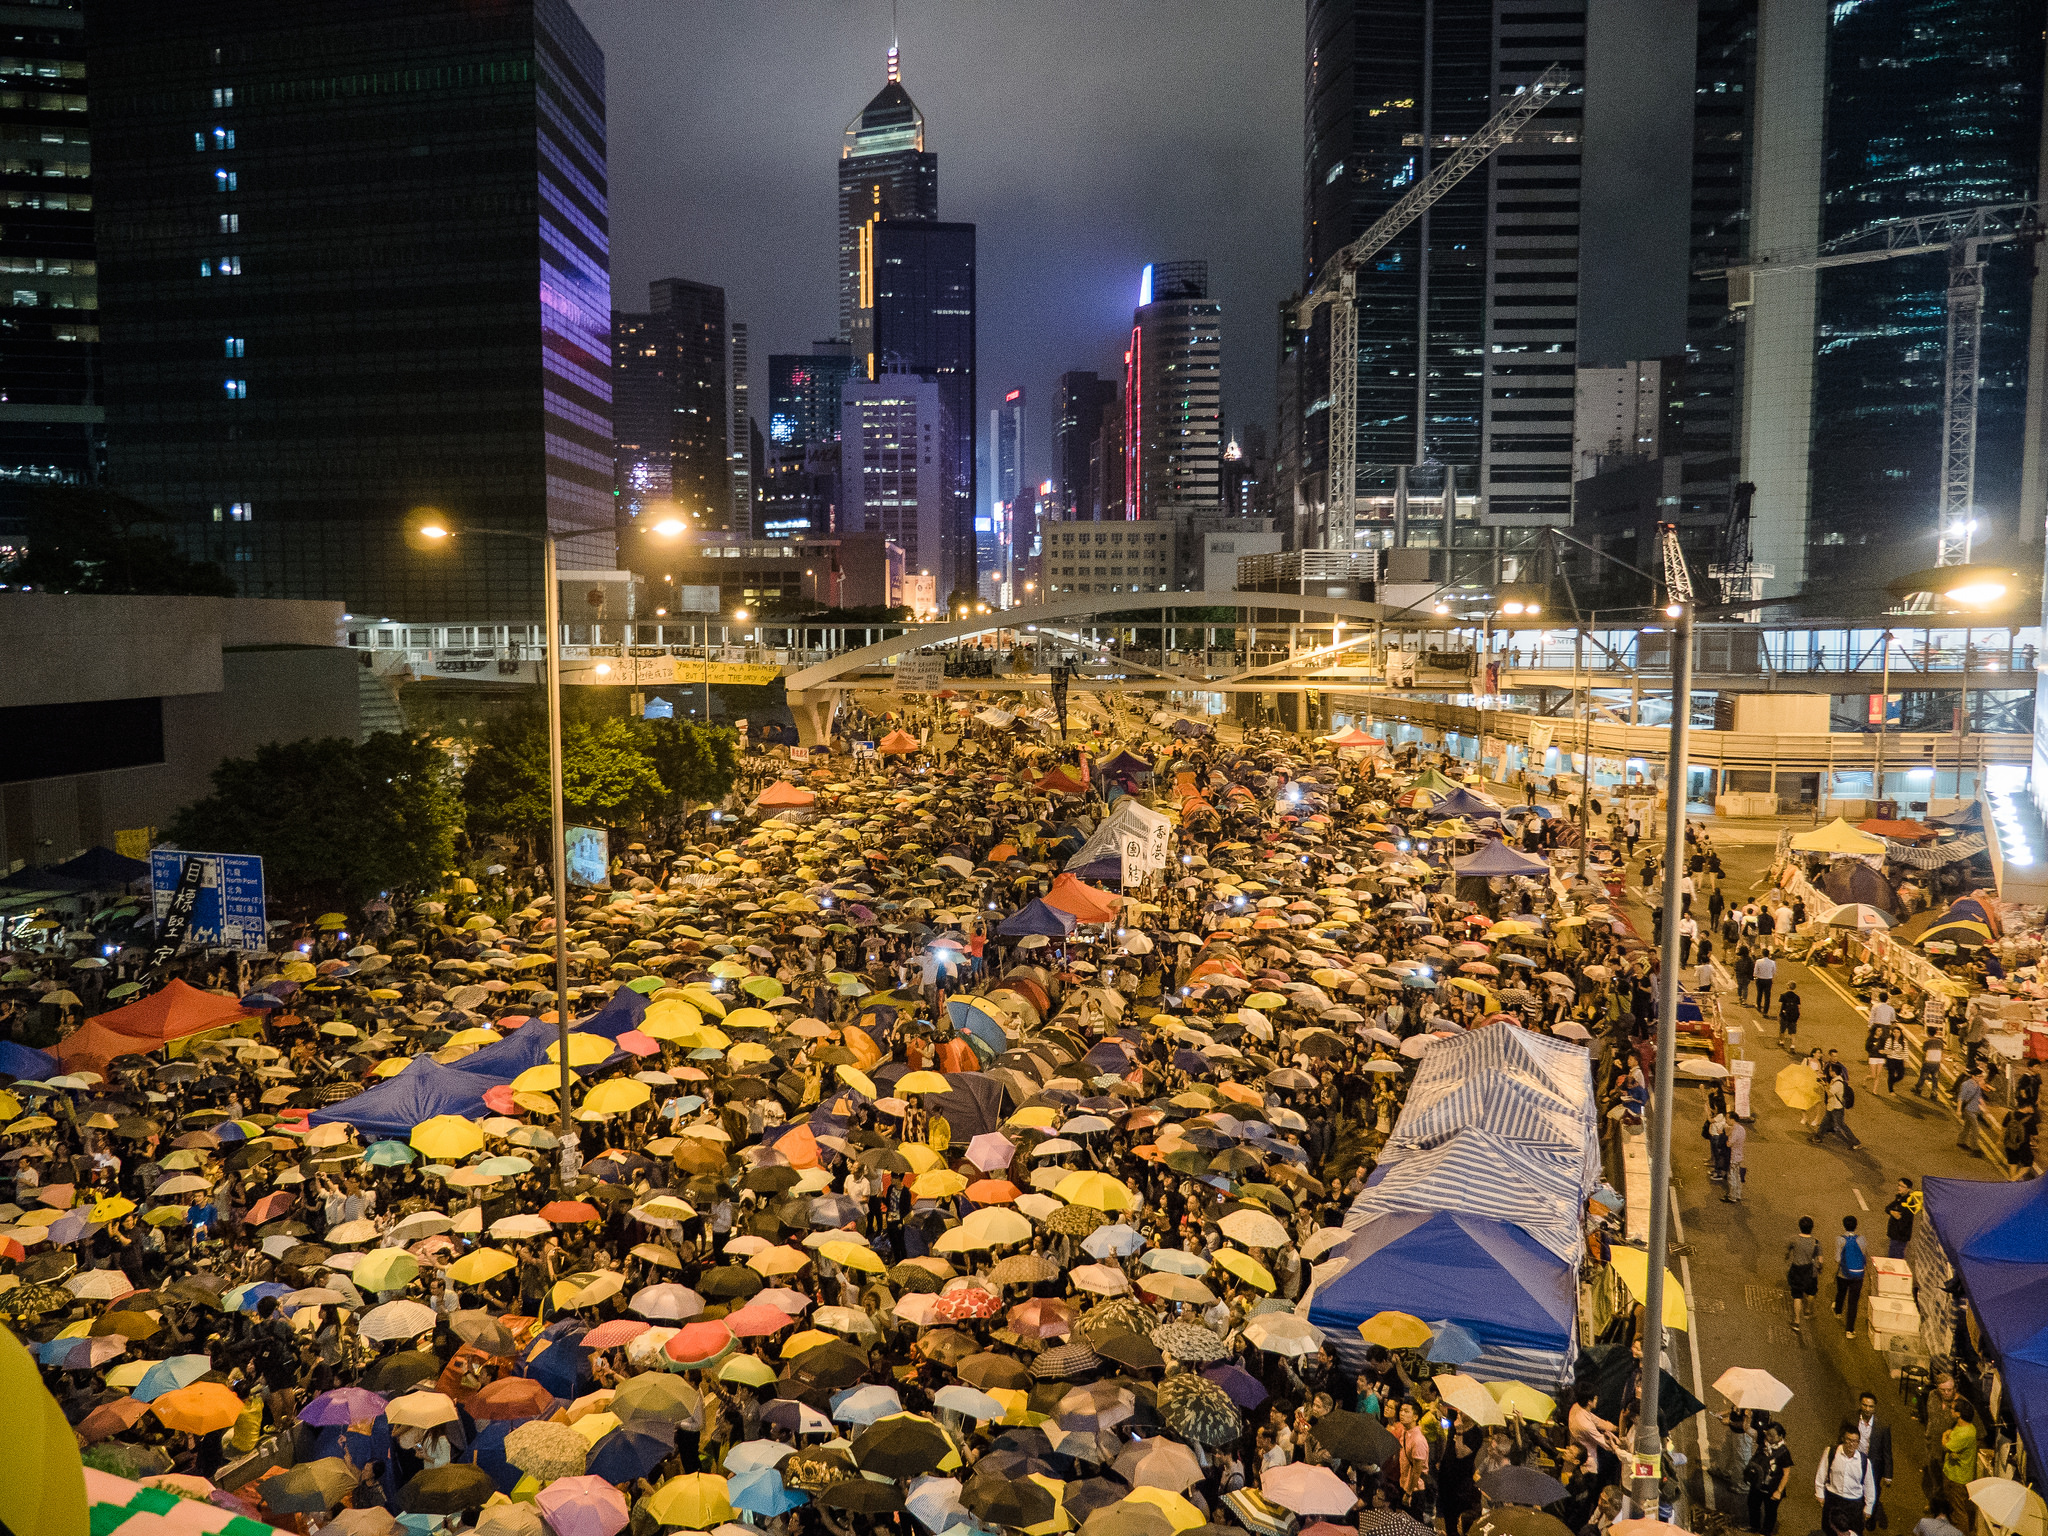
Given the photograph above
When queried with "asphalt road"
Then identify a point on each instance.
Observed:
(1736, 1257)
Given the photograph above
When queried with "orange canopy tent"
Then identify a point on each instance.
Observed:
(1060, 782)
(897, 743)
(1353, 737)
(782, 792)
(1089, 903)
(148, 1024)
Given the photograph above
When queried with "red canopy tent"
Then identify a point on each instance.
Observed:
(1060, 782)
(784, 793)
(147, 1024)
(897, 743)
(1089, 903)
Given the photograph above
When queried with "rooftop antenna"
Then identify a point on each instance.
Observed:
(895, 48)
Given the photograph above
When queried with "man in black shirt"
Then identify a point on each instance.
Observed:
(1898, 1221)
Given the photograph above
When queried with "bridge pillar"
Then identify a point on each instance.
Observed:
(813, 710)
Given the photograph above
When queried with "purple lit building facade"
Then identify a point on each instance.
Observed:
(355, 262)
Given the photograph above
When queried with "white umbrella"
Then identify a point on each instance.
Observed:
(1281, 1333)
(1855, 914)
(396, 1320)
(1699, 1066)
(2010, 1506)
(420, 1410)
(1747, 1387)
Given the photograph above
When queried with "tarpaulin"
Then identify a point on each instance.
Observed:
(972, 1102)
(1497, 858)
(1084, 901)
(147, 1024)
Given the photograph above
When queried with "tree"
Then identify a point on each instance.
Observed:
(90, 539)
(696, 762)
(333, 820)
(608, 776)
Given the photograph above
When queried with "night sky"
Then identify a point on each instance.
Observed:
(1084, 138)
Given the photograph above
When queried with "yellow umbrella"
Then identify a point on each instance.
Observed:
(727, 970)
(391, 1066)
(856, 1079)
(111, 1208)
(1245, 1267)
(921, 1157)
(1061, 1521)
(1797, 1086)
(697, 1501)
(1470, 1398)
(1395, 1330)
(854, 1256)
(797, 1343)
(482, 1265)
(447, 1137)
(747, 1370)
(10, 1106)
(45, 1489)
(1037, 1117)
(1179, 1512)
(584, 1050)
(750, 1018)
(617, 1095)
(1098, 1190)
(937, 1184)
(922, 1082)
(781, 1260)
(749, 1053)
(704, 1000)
(1514, 1397)
(1634, 1268)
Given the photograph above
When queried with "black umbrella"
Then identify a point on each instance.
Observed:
(1516, 1520)
(311, 1487)
(729, 1282)
(830, 1366)
(1353, 1437)
(400, 1372)
(1521, 1485)
(1017, 1503)
(1084, 1497)
(861, 1496)
(446, 1490)
(1128, 1349)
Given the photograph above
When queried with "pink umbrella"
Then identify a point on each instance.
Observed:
(499, 1097)
(620, 1330)
(583, 1506)
(1307, 1490)
(990, 1151)
(269, 1208)
(757, 1319)
(639, 1044)
(972, 1301)
(795, 1303)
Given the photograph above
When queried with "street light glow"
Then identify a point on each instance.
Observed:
(1976, 594)
(433, 531)
(668, 527)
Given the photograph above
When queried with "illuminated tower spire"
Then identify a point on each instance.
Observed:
(895, 46)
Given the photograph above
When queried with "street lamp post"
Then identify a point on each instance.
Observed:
(1649, 1428)
(551, 619)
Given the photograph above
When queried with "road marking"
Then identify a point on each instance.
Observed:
(1865, 1204)
(1692, 1342)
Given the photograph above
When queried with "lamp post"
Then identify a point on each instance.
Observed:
(551, 620)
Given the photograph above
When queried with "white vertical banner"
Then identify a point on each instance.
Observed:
(1541, 734)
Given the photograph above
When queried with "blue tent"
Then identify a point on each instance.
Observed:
(1495, 1281)
(1462, 802)
(1497, 858)
(103, 867)
(19, 1061)
(1037, 918)
(426, 1088)
(1996, 1236)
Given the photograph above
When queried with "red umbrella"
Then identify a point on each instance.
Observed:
(512, 1397)
(566, 1213)
(619, 1330)
(269, 1208)
(1041, 1319)
(115, 1418)
(756, 1320)
(499, 1097)
(639, 1044)
(971, 1301)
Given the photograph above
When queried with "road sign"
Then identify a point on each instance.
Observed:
(227, 911)
(589, 856)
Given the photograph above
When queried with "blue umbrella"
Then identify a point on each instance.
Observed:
(489, 1453)
(169, 1375)
(626, 1454)
(1239, 1385)
(262, 1000)
(564, 1369)
(249, 1295)
(762, 1493)
(1454, 1345)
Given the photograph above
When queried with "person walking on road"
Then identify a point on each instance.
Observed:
(1850, 1265)
(1845, 1484)
(1930, 1065)
(1788, 1012)
(1766, 973)
(1802, 1271)
(1745, 973)
(1970, 1100)
(1738, 1139)
(1876, 1436)
(1770, 1474)
(1898, 1220)
(1839, 1097)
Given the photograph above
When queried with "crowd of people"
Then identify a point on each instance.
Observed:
(863, 1208)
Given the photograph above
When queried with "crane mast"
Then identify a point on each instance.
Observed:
(1337, 286)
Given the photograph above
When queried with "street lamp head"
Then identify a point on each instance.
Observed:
(1511, 608)
(740, 614)
(1672, 610)
(668, 527)
(1443, 607)
(433, 531)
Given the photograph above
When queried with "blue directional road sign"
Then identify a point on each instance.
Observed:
(229, 913)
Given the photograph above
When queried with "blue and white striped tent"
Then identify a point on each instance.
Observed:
(1481, 1174)
(1519, 1088)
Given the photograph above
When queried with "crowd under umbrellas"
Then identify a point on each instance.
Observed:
(908, 1183)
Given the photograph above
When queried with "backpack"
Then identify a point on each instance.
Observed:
(1852, 1258)
(1848, 1095)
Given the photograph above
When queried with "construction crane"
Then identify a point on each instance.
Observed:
(1677, 579)
(1337, 286)
(1961, 233)
(1737, 577)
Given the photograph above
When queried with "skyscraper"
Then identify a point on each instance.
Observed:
(51, 429)
(1173, 394)
(884, 173)
(1076, 424)
(896, 478)
(740, 444)
(799, 497)
(696, 342)
(354, 262)
(1467, 320)
(924, 312)
(995, 530)
(1006, 447)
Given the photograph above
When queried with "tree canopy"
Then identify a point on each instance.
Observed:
(90, 539)
(333, 820)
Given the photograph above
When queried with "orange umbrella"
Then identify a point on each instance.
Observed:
(992, 1191)
(200, 1409)
(567, 1213)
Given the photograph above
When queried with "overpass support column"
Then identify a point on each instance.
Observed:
(814, 710)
